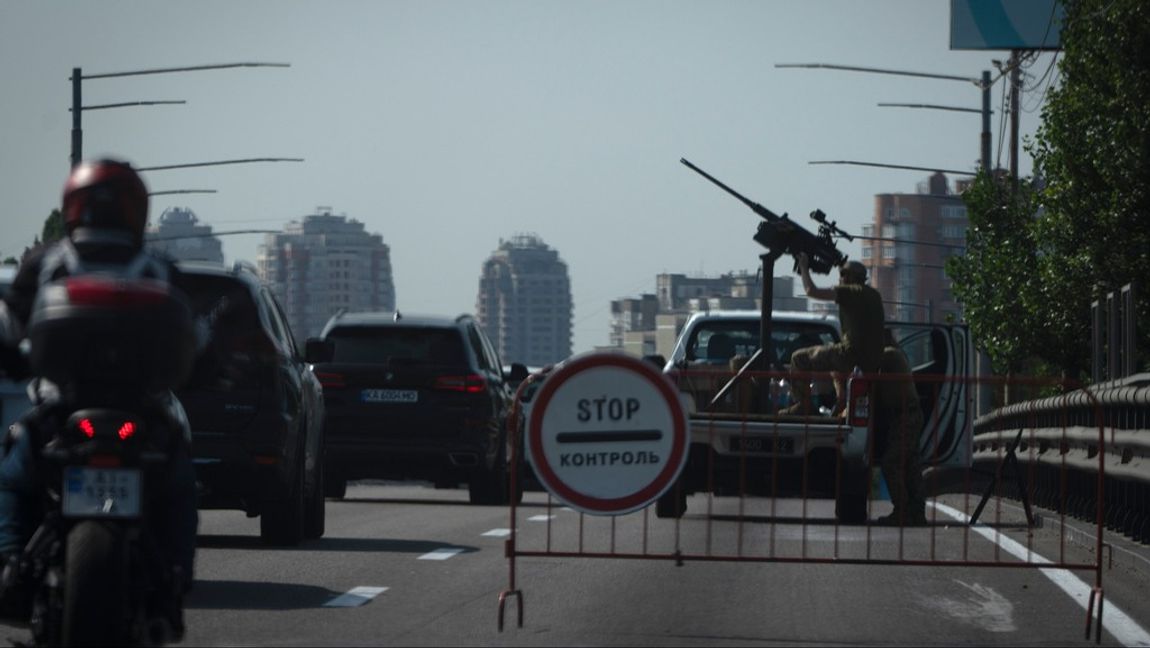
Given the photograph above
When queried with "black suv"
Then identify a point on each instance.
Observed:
(255, 408)
(414, 398)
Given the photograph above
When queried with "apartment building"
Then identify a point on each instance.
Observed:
(906, 248)
(181, 236)
(325, 263)
(524, 302)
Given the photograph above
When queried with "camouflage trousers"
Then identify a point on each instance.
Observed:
(828, 357)
(900, 463)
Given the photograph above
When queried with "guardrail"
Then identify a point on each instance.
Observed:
(1061, 446)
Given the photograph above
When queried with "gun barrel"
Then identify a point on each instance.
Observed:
(755, 207)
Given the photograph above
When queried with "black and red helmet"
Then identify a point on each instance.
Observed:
(105, 194)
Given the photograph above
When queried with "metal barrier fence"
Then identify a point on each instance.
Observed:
(784, 502)
(1064, 427)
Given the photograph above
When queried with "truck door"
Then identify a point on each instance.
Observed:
(942, 361)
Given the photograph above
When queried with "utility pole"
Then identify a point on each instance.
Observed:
(1015, 89)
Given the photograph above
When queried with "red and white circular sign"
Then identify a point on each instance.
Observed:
(607, 434)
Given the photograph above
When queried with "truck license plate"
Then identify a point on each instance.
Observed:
(782, 445)
(101, 492)
(390, 396)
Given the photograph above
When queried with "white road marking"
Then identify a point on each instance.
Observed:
(441, 554)
(540, 518)
(984, 608)
(498, 533)
(1120, 625)
(356, 597)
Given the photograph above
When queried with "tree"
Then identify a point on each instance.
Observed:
(53, 227)
(1036, 260)
(998, 293)
(1093, 148)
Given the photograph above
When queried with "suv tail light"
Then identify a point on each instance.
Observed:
(471, 383)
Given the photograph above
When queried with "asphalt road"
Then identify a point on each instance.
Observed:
(411, 565)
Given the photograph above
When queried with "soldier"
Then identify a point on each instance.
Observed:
(862, 318)
(898, 426)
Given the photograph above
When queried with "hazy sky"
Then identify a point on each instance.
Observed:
(446, 126)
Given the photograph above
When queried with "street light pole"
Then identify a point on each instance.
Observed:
(77, 103)
(983, 84)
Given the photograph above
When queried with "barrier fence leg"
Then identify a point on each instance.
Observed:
(1095, 594)
(518, 594)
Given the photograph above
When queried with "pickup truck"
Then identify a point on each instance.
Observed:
(740, 445)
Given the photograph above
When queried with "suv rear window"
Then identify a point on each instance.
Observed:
(369, 345)
(224, 307)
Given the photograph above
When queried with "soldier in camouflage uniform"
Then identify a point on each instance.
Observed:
(862, 318)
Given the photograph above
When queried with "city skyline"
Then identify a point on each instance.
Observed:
(449, 126)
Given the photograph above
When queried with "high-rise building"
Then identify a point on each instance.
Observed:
(909, 242)
(181, 236)
(524, 302)
(324, 264)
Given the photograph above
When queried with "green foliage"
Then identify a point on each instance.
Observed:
(1036, 261)
(994, 280)
(53, 227)
(1094, 150)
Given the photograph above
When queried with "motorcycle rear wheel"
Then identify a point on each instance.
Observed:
(94, 586)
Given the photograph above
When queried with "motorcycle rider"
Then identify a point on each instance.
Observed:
(105, 212)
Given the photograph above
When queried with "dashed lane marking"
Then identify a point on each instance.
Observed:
(540, 518)
(441, 554)
(498, 533)
(356, 597)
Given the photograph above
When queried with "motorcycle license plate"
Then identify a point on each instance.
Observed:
(101, 492)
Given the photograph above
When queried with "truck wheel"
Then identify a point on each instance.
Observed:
(851, 500)
(673, 503)
(281, 523)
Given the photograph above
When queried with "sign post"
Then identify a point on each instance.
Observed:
(607, 434)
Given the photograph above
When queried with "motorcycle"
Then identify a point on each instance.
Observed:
(106, 351)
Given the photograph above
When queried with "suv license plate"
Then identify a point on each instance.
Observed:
(783, 445)
(390, 396)
(101, 492)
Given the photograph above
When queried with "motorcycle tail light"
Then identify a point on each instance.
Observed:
(87, 428)
(126, 430)
(100, 291)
